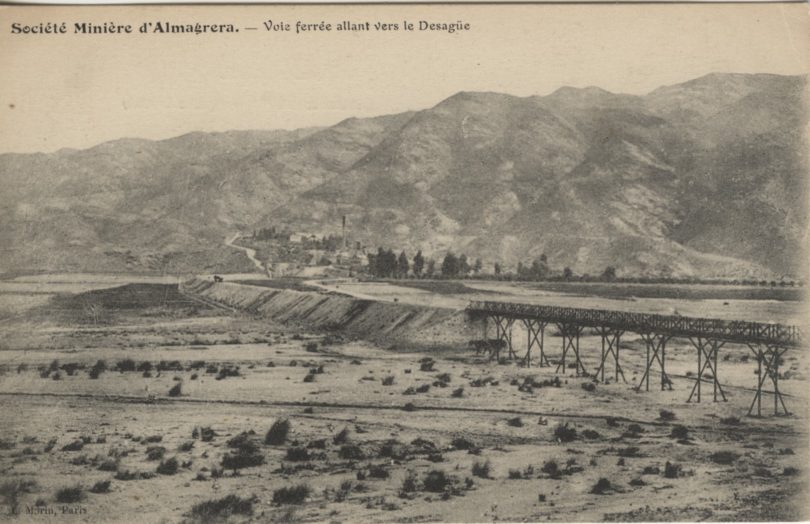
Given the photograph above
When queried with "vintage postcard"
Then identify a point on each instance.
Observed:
(404, 263)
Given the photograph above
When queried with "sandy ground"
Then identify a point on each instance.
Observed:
(729, 466)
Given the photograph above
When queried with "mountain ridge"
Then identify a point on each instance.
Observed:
(703, 178)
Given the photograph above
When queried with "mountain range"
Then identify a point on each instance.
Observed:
(706, 178)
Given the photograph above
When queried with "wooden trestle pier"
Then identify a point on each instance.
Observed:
(768, 342)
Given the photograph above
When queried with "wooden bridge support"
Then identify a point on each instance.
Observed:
(533, 329)
(656, 351)
(610, 346)
(707, 350)
(570, 341)
(503, 332)
(771, 356)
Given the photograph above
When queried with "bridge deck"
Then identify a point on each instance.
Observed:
(677, 326)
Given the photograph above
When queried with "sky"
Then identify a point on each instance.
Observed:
(78, 90)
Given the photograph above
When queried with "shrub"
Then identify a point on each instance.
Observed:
(125, 365)
(108, 465)
(424, 388)
(76, 445)
(551, 468)
(221, 509)
(155, 452)
(186, 446)
(602, 485)
(144, 366)
(350, 452)
(666, 414)
(409, 406)
(206, 434)
(515, 422)
(679, 432)
(672, 471)
(515, 474)
(102, 486)
(168, 467)
(723, 457)
(297, 454)
(481, 469)
(311, 347)
(277, 434)
(153, 439)
(591, 434)
(730, 421)
(341, 437)
(309, 378)
(462, 443)
(458, 393)
(291, 495)
(563, 433)
(176, 390)
(378, 472)
(388, 381)
(410, 483)
(239, 460)
(98, 368)
(426, 364)
(70, 495)
(436, 481)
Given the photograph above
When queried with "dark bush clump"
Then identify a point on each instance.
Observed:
(297, 454)
(723, 457)
(176, 390)
(311, 347)
(168, 467)
(672, 471)
(481, 469)
(730, 421)
(377, 471)
(221, 509)
(102, 486)
(666, 414)
(458, 393)
(436, 481)
(125, 365)
(591, 434)
(388, 381)
(277, 434)
(426, 364)
(291, 495)
(563, 433)
(515, 422)
(350, 452)
(462, 443)
(155, 452)
(70, 495)
(241, 460)
(341, 437)
(186, 446)
(552, 469)
(679, 432)
(601, 487)
(76, 445)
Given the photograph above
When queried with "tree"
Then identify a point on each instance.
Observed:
(539, 268)
(609, 273)
(463, 265)
(418, 264)
(402, 265)
(431, 268)
(497, 268)
(520, 272)
(477, 266)
(450, 266)
(567, 273)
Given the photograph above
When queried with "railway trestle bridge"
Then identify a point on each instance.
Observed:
(768, 343)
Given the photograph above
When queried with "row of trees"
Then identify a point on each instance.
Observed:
(386, 264)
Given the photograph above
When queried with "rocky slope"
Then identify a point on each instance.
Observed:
(703, 178)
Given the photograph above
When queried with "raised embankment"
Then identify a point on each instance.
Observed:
(381, 322)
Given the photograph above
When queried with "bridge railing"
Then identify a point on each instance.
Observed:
(673, 325)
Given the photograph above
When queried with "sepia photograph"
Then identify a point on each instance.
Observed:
(404, 263)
